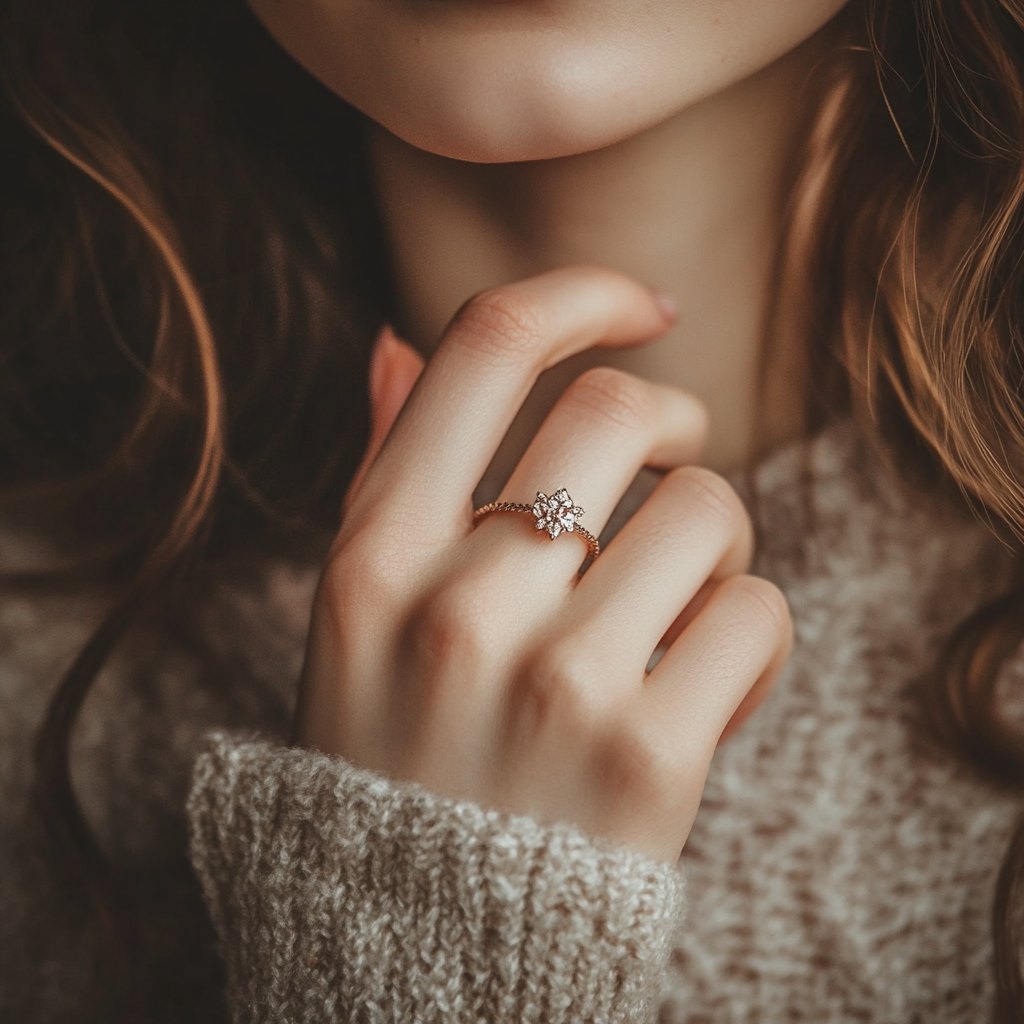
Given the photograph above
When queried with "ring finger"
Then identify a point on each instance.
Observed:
(601, 432)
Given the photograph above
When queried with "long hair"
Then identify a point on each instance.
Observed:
(192, 276)
(193, 271)
(916, 327)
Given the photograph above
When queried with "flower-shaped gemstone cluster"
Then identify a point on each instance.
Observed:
(556, 514)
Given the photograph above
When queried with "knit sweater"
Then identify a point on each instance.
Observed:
(839, 869)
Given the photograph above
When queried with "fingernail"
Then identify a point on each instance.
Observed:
(667, 304)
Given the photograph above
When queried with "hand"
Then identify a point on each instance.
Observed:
(478, 662)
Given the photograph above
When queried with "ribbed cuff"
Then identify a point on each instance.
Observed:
(340, 896)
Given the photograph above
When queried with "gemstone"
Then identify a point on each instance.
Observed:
(557, 513)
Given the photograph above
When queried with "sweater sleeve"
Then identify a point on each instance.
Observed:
(339, 896)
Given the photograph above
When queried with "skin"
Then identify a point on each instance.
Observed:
(662, 154)
(520, 143)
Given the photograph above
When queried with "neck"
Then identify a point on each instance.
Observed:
(692, 207)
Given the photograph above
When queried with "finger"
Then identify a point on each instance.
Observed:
(485, 366)
(394, 368)
(693, 529)
(605, 428)
(721, 666)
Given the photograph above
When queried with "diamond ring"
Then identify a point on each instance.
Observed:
(555, 513)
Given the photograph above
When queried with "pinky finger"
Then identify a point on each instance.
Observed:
(721, 667)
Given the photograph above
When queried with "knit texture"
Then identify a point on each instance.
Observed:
(340, 896)
(841, 868)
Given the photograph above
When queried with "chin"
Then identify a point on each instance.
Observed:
(502, 128)
(553, 102)
(493, 82)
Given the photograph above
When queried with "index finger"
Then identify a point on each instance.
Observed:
(487, 362)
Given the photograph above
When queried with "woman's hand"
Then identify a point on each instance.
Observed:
(478, 662)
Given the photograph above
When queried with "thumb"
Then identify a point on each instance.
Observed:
(394, 369)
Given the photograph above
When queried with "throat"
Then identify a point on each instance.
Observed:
(692, 207)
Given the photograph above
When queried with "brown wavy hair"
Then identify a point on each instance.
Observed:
(916, 327)
(191, 277)
(193, 271)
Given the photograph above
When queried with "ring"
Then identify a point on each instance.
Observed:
(556, 514)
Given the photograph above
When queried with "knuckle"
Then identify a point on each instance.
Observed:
(713, 495)
(501, 322)
(560, 689)
(636, 763)
(450, 628)
(766, 610)
(360, 581)
(617, 396)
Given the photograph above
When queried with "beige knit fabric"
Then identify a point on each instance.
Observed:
(339, 896)
(839, 869)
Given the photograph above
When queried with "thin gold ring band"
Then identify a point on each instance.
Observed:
(555, 514)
